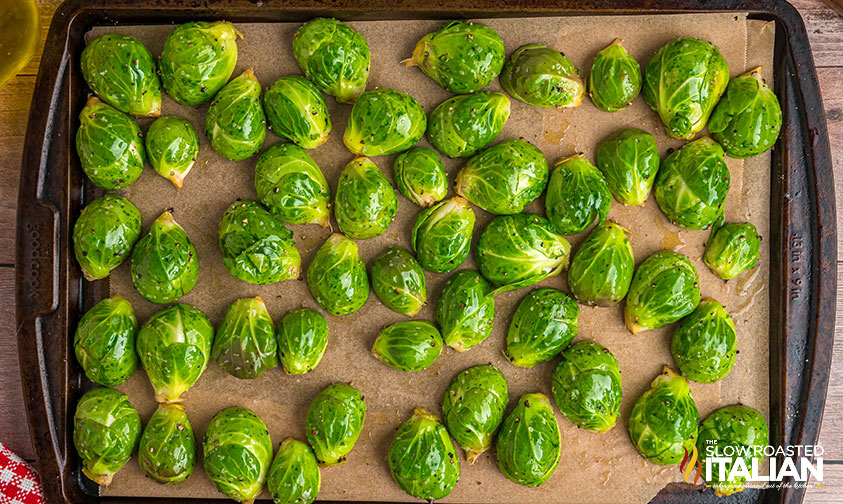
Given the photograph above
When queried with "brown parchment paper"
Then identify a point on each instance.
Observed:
(595, 468)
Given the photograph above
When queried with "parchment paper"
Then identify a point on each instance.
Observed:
(595, 468)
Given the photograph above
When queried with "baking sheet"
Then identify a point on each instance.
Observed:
(595, 468)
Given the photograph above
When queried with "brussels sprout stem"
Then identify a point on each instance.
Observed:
(103, 479)
(418, 54)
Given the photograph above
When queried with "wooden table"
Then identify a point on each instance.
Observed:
(825, 29)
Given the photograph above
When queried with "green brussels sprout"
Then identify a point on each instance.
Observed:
(110, 146)
(473, 406)
(174, 346)
(384, 121)
(542, 77)
(704, 344)
(167, 451)
(365, 203)
(238, 453)
(294, 475)
(104, 342)
(408, 346)
(165, 266)
(235, 123)
(601, 269)
(733, 249)
(106, 429)
(197, 60)
(420, 176)
(441, 236)
(302, 339)
(122, 72)
(504, 178)
(529, 442)
(172, 146)
(747, 121)
(399, 281)
(734, 431)
(629, 159)
(520, 250)
(577, 194)
(292, 186)
(615, 78)
(543, 325)
(466, 310)
(104, 234)
(586, 385)
(296, 110)
(692, 184)
(333, 423)
(663, 422)
(462, 125)
(462, 57)
(256, 247)
(682, 83)
(422, 457)
(337, 276)
(664, 288)
(334, 57)
(244, 344)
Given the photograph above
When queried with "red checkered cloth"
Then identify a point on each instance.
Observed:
(19, 483)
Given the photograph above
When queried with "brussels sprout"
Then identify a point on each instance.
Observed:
(174, 346)
(104, 342)
(466, 310)
(104, 234)
(473, 406)
(735, 431)
(110, 146)
(528, 445)
(601, 269)
(733, 249)
(294, 475)
(334, 57)
(238, 452)
(615, 78)
(337, 276)
(420, 176)
(747, 121)
(292, 186)
(384, 121)
(544, 323)
(235, 123)
(462, 125)
(122, 72)
(365, 203)
(462, 57)
(333, 423)
(172, 146)
(399, 281)
(520, 250)
(256, 247)
(504, 178)
(197, 60)
(441, 236)
(167, 451)
(296, 111)
(704, 344)
(577, 194)
(165, 266)
(302, 339)
(629, 159)
(664, 288)
(422, 457)
(663, 422)
(408, 346)
(682, 83)
(542, 77)
(106, 429)
(245, 344)
(586, 385)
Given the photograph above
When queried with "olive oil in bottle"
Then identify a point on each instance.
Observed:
(19, 36)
